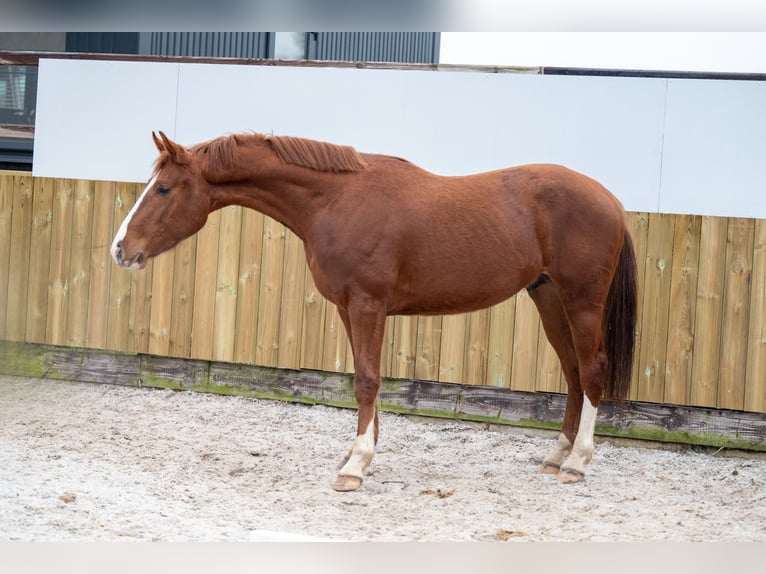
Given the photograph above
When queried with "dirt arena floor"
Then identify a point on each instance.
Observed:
(104, 463)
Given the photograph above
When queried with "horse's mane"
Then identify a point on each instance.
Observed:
(316, 155)
(221, 154)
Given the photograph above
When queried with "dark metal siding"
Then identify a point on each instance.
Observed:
(411, 47)
(102, 42)
(212, 44)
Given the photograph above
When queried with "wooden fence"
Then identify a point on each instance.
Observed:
(240, 292)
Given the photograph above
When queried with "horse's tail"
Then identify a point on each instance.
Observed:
(620, 323)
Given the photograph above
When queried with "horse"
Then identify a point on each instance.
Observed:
(383, 236)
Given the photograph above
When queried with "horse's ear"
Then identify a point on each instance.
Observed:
(177, 152)
(158, 142)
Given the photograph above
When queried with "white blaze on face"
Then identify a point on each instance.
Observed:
(124, 227)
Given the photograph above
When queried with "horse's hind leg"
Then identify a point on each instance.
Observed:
(546, 298)
(586, 327)
(365, 323)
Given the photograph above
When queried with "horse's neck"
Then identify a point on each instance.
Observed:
(289, 203)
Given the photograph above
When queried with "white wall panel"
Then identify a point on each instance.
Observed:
(94, 118)
(714, 160)
(667, 145)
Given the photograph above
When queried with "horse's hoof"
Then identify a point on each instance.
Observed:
(549, 468)
(345, 483)
(570, 475)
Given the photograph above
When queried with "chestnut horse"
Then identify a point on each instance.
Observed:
(385, 237)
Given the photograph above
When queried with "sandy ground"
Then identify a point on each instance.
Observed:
(98, 462)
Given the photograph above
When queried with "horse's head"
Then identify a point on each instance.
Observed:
(174, 206)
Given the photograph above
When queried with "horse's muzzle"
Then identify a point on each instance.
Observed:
(137, 262)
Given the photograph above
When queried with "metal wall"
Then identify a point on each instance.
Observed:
(412, 47)
(209, 44)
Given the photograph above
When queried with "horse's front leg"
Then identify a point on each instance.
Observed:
(365, 323)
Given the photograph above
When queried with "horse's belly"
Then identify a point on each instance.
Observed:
(462, 294)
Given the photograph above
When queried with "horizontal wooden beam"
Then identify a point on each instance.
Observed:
(633, 419)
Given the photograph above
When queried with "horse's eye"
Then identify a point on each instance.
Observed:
(162, 190)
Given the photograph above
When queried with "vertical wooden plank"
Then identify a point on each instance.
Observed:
(707, 325)
(119, 278)
(526, 333)
(140, 307)
(100, 264)
(428, 348)
(39, 260)
(502, 320)
(161, 312)
(312, 333)
(638, 226)
(227, 283)
(736, 313)
(182, 308)
(140, 302)
(405, 347)
(204, 288)
(683, 300)
(18, 261)
(291, 320)
(452, 351)
(755, 378)
(476, 348)
(387, 349)
(270, 298)
(656, 304)
(61, 249)
(250, 255)
(6, 225)
(334, 350)
(549, 376)
(79, 265)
